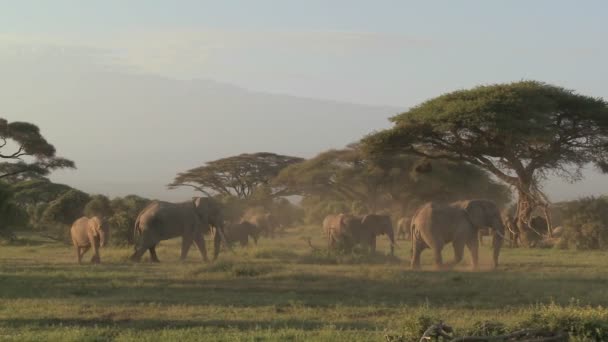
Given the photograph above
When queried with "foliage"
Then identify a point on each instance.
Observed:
(586, 223)
(520, 132)
(239, 176)
(98, 205)
(11, 215)
(350, 180)
(66, 208)
(19, 140)
(124, 213)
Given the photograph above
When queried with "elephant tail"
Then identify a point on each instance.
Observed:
(136, 231)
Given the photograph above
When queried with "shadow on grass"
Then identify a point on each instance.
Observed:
(482, 290)
(148, 324)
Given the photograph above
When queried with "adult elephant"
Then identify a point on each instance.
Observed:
(240, 232)
(340, 230)
(374, 225)
(89, 232)
(349, 230)
(435, 225)
(190, 220)
(403, 228)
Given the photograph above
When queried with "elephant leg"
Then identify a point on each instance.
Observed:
(200, 244)
(186, 243)
(139, 252)
(217, 241)
(78, 255)
(372, 244)
(82, 251)
(438, 259)
(96, 259)
(458, 251)
(474, 250)
(417, 249)
(153, 256)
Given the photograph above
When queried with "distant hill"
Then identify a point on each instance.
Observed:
(131, 133)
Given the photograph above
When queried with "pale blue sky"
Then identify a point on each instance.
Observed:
(376, 52)
(85, 63)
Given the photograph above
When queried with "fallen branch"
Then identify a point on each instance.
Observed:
(527, 335)
(309, 241)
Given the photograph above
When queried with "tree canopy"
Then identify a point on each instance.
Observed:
(351, 177)
(239, 176)
(26, 152)
(520, 132)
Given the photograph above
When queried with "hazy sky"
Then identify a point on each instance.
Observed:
(390, 54)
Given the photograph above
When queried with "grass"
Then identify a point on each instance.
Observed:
(281, 290)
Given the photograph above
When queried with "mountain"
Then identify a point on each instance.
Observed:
(131, 133)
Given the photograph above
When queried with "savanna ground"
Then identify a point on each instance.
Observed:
(281, 290)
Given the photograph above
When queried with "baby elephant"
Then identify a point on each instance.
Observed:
(89, 232)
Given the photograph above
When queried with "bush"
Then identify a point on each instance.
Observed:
(11, 216)
(584, 323)
(586, 223)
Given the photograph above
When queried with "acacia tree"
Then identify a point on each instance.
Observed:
(238, 176)
(520, 132)
(26, 152)
(377, 182)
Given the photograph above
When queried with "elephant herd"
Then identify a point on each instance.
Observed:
(432, 227)
(160, 220)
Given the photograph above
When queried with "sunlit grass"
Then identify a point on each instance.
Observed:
(283, 290)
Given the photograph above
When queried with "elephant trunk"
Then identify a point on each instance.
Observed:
(103, 237)
(391, 236)
(497, 240)
(220, 238)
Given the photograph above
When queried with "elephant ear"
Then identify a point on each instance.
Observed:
(95, 225)
(477, 214)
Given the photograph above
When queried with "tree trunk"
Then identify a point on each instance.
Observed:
(548, 218)
(525, 205)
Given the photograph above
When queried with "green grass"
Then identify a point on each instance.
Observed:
(281, 290)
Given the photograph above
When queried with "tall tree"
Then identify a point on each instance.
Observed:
(237, 176)
(520, 132)
(379, 181)
(26, 152)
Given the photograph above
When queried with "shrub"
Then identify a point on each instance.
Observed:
(586, 223)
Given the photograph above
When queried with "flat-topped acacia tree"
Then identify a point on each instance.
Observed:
(238, 176)
(25, 153)
(520, 132)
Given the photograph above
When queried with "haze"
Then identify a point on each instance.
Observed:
(131, 91)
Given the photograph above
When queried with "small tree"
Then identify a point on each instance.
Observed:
(99, 205)
(239, 176)
(124, 213)
(586, 223)
(27, 153)
(11, 215)
(520, 132)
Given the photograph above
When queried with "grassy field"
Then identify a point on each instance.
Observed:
(283, 291)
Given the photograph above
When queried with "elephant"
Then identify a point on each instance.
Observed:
(340, 229)
(435, 225)
(265, 222)
(403, 228)
(240, 232)
(190, 220)
(350, 230)
(481, 232)
(89, 232)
